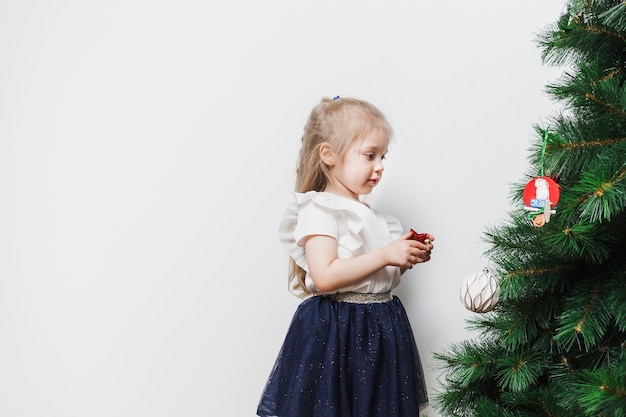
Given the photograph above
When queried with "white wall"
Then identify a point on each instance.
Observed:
(146, 152)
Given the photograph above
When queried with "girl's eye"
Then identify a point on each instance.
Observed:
(370, 156)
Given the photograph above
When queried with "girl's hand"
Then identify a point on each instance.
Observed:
(406, 252)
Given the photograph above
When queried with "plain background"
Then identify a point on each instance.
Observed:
(147, 150)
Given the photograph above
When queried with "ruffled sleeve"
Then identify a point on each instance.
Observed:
(301, 219)
(315, 213)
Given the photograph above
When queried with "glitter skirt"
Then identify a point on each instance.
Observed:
(346, 359)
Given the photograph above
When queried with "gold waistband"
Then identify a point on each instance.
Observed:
(362, 298)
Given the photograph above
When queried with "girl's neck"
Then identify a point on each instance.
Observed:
(356, 198)
(342, 193)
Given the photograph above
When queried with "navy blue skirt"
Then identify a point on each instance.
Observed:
(342, 359)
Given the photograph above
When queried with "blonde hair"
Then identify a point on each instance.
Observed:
(340, 122)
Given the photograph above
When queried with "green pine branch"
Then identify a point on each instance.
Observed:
(555, 345)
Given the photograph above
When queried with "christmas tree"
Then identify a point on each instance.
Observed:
(555, 344)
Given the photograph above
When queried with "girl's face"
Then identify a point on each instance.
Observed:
(361, 167)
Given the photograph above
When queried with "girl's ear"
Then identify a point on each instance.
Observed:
(326, 154)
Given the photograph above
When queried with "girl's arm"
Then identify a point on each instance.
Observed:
(330, 273)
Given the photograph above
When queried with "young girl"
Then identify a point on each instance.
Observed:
(349, 350)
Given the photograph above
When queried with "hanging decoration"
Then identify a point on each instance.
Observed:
(480, 292)
(541, 194)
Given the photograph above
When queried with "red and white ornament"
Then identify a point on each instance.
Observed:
(541, 195)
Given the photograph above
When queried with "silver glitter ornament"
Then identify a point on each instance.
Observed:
(480, 292)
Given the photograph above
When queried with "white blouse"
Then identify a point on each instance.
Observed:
(357, 228)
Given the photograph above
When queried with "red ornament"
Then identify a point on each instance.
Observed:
(539, 191)
(420, 237)
(541, 196)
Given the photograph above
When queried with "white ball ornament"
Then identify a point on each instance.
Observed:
(480, 292)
